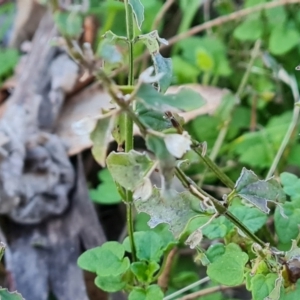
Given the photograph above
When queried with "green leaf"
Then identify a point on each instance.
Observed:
(232, 264)
(6, 295)
(111, 283)
(283, 39)
(250, 30)
(175, 210)
(225, 109)
(258, 192)
(69, 24)
(144, 271)
(185, 100)
(251, 217)
(138, 11)
(287, 228)
(101, 138)
(262, 285)
(291, 184)
(9, 59)
(106, 192)
(107, 260)
(129, 169)
(148, 244)
(215, 251)
(156, 120)
(150, 293)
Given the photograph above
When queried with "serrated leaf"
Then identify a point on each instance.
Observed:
(101, 138)
(150, 293)
(233, 261)
(6, 295)
(129, 169)
(185, 100)
(107, 260)
(138, 11)
(144, 271)
(258, 192)
(262, 285)
(148, 245)
(110, 284)
(175, 210)
(69, 24)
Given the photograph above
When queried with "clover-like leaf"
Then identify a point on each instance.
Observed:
(111, 284)
(258, 192)
(129, 169)
(263, 285)
(232, 262)
(107, 260)
(149, 246)
(150, 293)
(184, 100)
(138, 11)
(101, 136)
(175, 210)
(144, 271)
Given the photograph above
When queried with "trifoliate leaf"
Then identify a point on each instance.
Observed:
(138, 11)
(232, 262)
(175, 210)
(101, 137)
(258, 192)
(129, 169)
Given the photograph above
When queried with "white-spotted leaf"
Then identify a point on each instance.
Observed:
(176, 209)
(258, 192)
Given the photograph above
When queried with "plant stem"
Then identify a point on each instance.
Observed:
(220, 208)
(129, 123)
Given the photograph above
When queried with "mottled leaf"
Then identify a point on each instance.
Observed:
(175, 210)
(129, 169)
(258, 192)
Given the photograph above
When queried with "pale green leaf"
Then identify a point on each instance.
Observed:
(152, 292)
(101, 137)
(6, 295)
(138, 11)
(129, 169)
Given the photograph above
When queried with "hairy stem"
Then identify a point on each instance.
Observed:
(129, 123)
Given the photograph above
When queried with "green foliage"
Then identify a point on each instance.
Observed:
(6, 295)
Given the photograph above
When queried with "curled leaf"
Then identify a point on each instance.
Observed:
(195, 239)
(178, 144)
(144, 191)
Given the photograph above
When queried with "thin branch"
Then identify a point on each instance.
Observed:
(187, 288)
(207, 291)
(163, 280)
